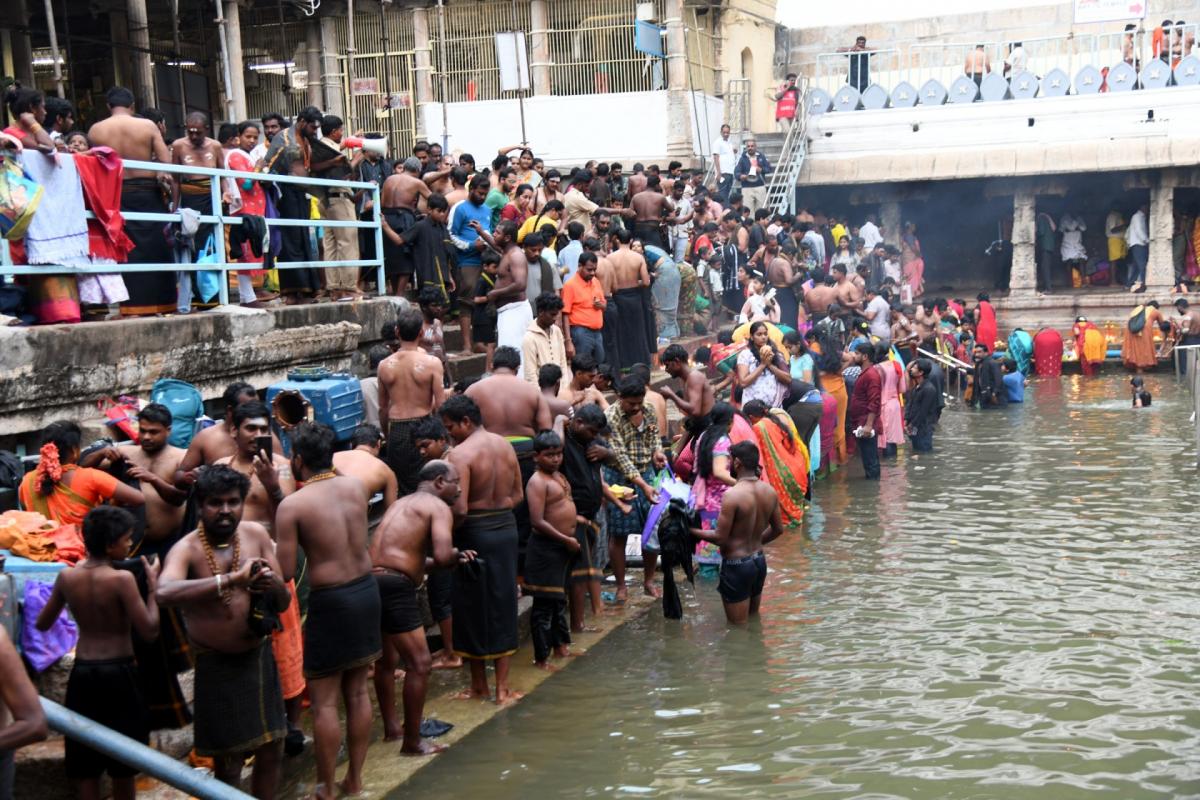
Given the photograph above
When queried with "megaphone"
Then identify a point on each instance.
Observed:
(370, 145)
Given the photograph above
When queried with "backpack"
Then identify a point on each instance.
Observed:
(1137, 320)
(185, 404)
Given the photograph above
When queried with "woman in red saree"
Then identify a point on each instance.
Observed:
(62, 491)
(985, 322)
(784, 458)
(1090, 345)
(1047, 352)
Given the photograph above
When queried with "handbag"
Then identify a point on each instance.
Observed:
(121, 415)
(208, 282)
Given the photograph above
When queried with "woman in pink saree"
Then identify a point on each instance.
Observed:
(913, 262)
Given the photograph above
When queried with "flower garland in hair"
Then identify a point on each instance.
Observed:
(49, 468)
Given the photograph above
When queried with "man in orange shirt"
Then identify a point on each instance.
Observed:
(583, 306)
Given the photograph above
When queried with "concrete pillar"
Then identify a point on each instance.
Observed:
(22, 48)
(1160, 269)
(423, 79)
(122, 67)
(679, 109)
(539, 46)
(236, 90)
(331, 74)
(139, 39)
(890, 221)
(1023, 277)
(312, 54)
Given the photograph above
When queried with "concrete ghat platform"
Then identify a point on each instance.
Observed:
(1060, 308)
(61, 371)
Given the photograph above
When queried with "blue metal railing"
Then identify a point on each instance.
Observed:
(135, 754)
(222, 264)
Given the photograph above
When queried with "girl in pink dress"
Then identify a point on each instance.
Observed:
(891, 415)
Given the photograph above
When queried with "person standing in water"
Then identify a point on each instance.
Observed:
(749, 519)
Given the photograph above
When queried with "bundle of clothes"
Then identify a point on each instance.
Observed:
(30, 535)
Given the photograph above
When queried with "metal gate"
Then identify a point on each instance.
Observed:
(382, 98)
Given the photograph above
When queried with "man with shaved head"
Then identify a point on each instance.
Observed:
(195, 149)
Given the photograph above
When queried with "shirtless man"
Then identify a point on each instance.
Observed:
(550, 385)
(22, 720)
(364, 463)
(420, 523)
(152, 462)
(197, 149)
(786, 281)
(926, 319)
(269, 473)
(485, 605)
(650, 208)
(697, 400)
(631, 303)
(458, 186)
(327, 517)
(513, 313)
(410, 388)
(637, 181)
(818, 298)
(216, 441)
(215, 574)
(401, 196)
(978, 64)
(551, 550)
(141, 191)
(849, 295)
(131, 137)
(582, 388)
(433, 443)
(749, 519)
(105, 605)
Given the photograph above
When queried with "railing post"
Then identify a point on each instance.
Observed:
(219, 239)
(380, 276)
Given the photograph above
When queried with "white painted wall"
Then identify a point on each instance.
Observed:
(569, 130)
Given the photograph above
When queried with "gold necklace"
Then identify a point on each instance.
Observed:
(321, 476)
(226, 590)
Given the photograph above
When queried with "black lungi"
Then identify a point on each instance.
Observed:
(239, 705)
(107, 692)
(402, 454)
(295, 243)
(485, 590)
(149, 292)
(635, 339)
(398, 258)
(342, 631)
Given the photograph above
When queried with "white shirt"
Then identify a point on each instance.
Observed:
(1138, 232)
(881, 324)
(1016, 59)
(727, 153)
(870, 236)
(259, 151)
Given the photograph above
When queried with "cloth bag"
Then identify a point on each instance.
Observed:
(669, 488)
(208, 282)
(42, 649)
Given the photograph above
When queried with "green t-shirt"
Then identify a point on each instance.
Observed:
(496, 201)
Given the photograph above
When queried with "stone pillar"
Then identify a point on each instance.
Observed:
(142, 76)
(679, 109)
(891, 221)
(539, 47)
(1022, 281)
(118, 27)
(1160, 270)
(423, 57)
(331, 74)
(22, 49)
(312, 56)
(236, 90)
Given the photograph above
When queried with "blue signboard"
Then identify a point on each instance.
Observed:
(648, 38)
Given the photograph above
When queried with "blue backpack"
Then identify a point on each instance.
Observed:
(185, 404)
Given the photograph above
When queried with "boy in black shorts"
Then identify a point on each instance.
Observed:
(483, 313)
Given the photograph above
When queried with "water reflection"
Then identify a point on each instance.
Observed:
(1011, 618)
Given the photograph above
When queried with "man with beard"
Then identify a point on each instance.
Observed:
(290, 153)
(327, 517)
(513, 313)
(196, 149)
(225, 577)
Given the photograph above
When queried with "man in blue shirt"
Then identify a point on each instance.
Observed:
(470, 222)
(1014, 381)
(568, 257)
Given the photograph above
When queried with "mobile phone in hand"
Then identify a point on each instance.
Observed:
(265, 445)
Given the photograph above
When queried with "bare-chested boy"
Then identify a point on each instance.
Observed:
(216, 574)
(364, 463)
(749, 519)
(327, 517)
(410, 388)
(419, 523)
(551, 549)
(104, 684)
(484, 594)
(582, 388)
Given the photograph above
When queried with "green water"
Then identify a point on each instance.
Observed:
(1013, 617)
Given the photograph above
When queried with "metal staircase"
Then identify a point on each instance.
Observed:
(781, 190)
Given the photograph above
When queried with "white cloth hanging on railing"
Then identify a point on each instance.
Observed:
(58, 232)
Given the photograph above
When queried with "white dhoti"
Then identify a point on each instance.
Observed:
(512, 321)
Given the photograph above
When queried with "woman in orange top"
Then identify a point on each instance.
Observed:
(62, 491)
(829, 366)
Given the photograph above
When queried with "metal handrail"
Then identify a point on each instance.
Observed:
(137, 755)
(222, 264)
(781, 190)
